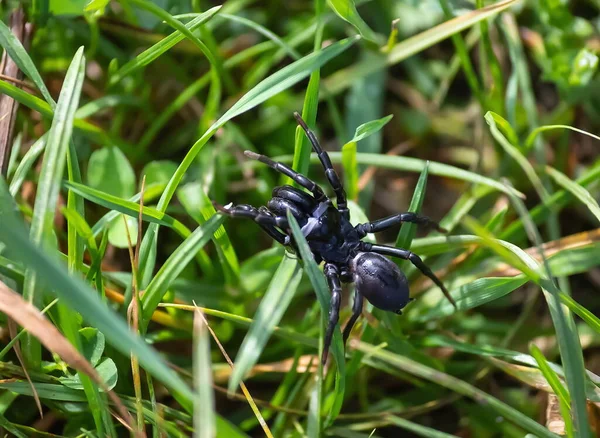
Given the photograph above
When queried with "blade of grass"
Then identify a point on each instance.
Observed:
(152, 53)
(557, 386)
(273, 305)
(127, 207)
(577, 190)
(174, 265)
(566, 332)
(19, 55)
(51, 174)
(346, 10)
(204, 406)
(529, 142)
(319, 283)
(491, 118)
(417, 429)
(408, 230)
(415, 165)
(26, 163)
(302, 146)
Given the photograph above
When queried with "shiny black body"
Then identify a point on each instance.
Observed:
(336, 242)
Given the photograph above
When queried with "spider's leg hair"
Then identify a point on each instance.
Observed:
(330, 173)
(357, 307)
(333, 279)
(414, 259)
(390, 221)
(298, 178)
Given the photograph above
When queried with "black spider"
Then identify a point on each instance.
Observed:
(335, 241)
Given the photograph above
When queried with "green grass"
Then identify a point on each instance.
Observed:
(478, 114)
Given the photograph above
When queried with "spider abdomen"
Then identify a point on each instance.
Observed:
(380, 281)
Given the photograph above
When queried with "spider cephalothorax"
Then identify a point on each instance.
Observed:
(335, 241)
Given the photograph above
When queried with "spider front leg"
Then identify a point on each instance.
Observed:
(391, 221)
(414, 259)
(330, 173)
(298, 178)
(333, 278)
(265, 220)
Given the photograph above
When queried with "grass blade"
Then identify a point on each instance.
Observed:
(127, 207)
(270, 310)
(150, 54)
(204, 406)
(577, 190)
(319, 283)
(415, 165)
(171, 269)
(346, 10)
(51, 174)
(557, 386)
(19, 55)
(408, 230)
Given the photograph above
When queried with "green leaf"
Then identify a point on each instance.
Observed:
(158, 172)
(51, 174)
(413, 45)
(120, 235)
(109, 171)
(26, 163)
(107, 370)
(19, 55)
(268, 314)
(175, 264)
(577, 190)
(92, 344)
(198, 205)
(418, 429)
(367, 129)
(346, 10)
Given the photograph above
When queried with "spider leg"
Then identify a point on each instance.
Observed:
(266, 221)
(330, 173)
(390, 221)
(414, 259)
(270, 229)
(357, 307)
(305, 182)
(332, 274)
